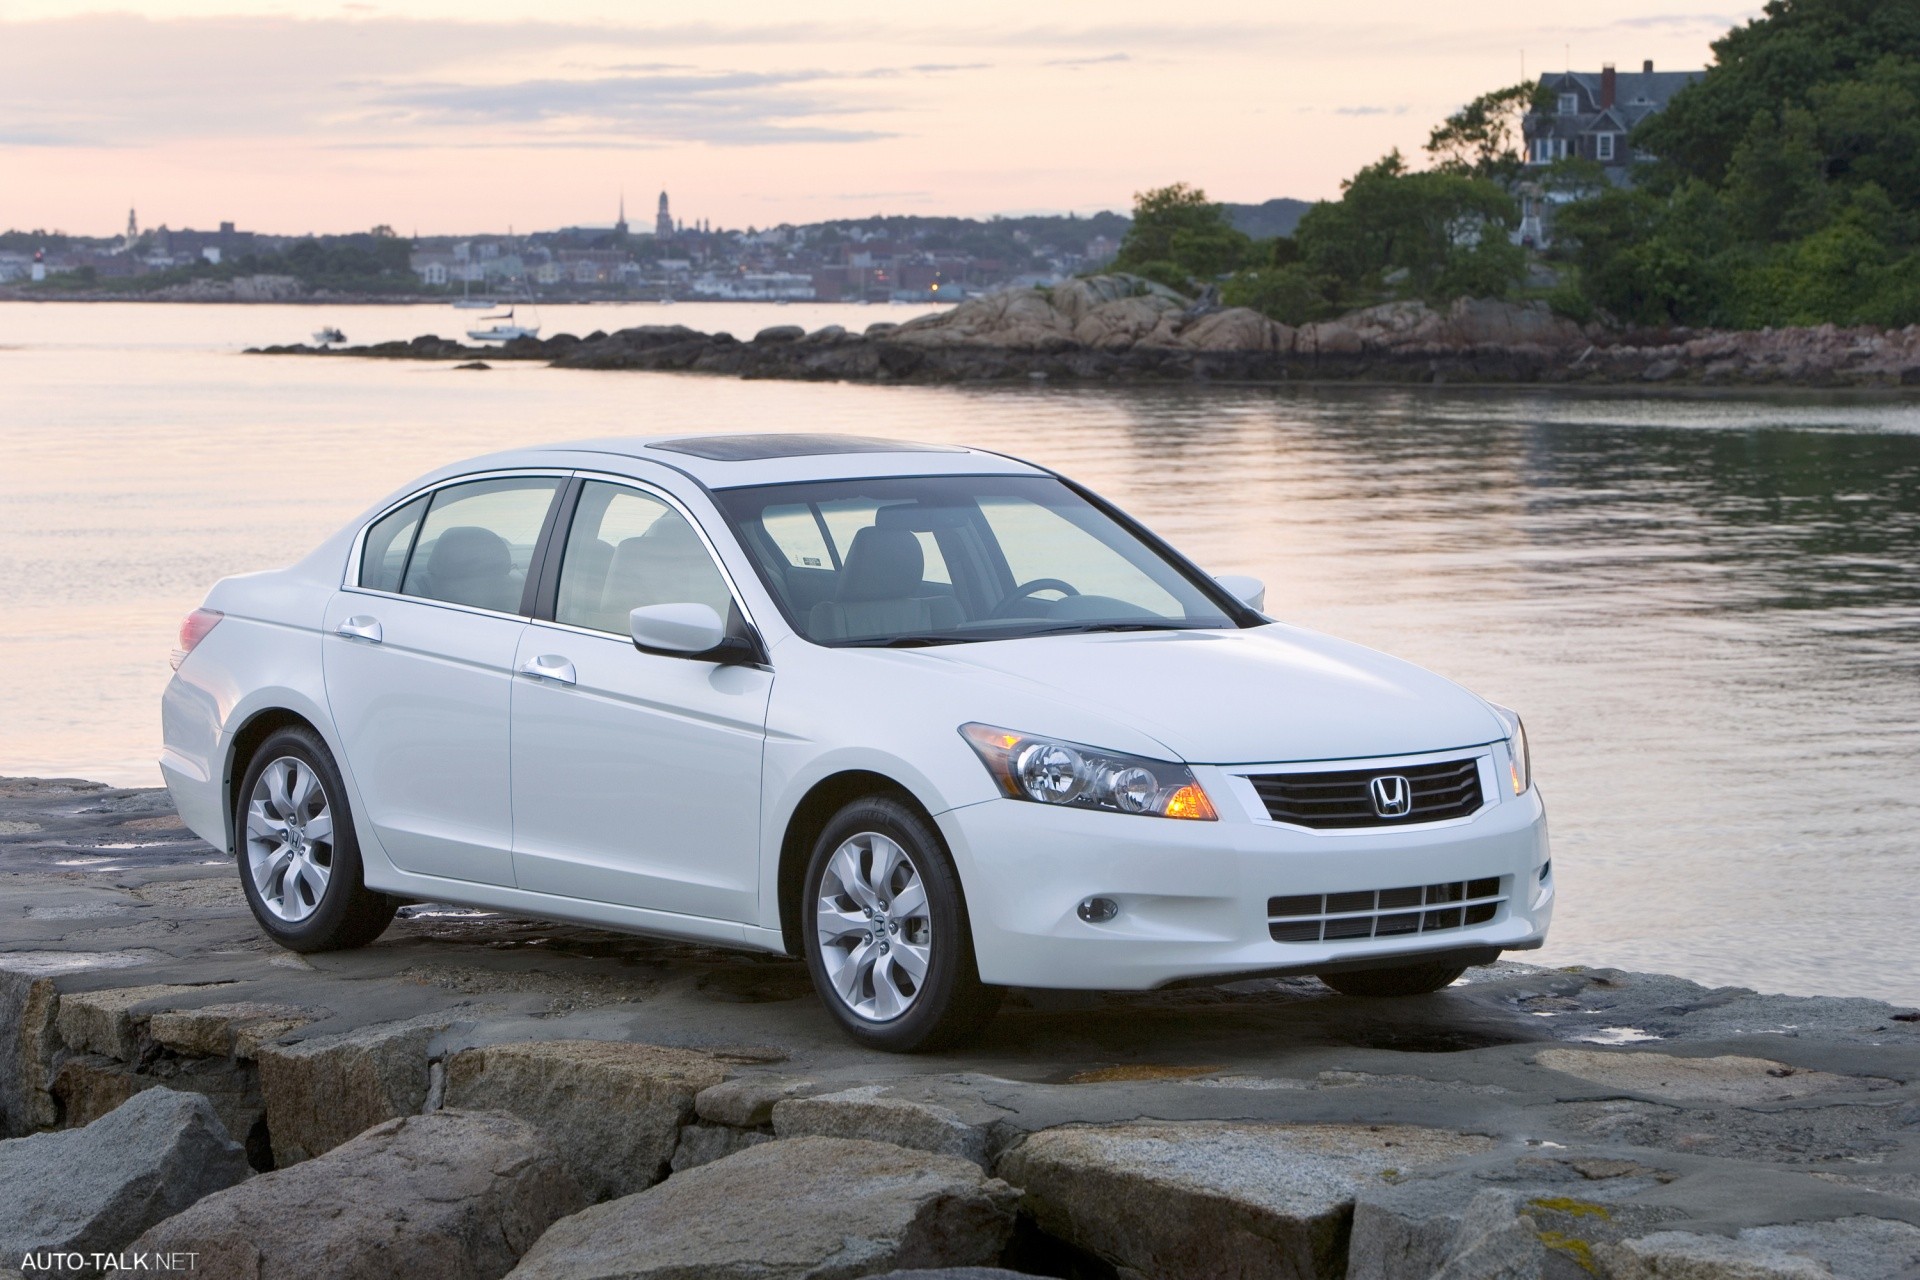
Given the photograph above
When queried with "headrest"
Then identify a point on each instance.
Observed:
(882, 564)
(469, 551)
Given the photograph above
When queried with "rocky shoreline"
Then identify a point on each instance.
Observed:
(1123, 329)
(478, 1095)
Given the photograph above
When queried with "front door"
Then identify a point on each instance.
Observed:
(418, 658)
(636, 777)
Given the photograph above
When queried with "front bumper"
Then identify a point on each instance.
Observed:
(1194, 896)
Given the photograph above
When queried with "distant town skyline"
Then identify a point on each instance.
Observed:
(442, 117)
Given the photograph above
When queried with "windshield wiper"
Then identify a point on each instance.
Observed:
(912, 641)
(1087, 628)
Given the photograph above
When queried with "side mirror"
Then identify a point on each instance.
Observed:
(688, 631)
(1248, 591)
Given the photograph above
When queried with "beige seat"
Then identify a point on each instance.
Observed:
(668, 564)
(876, 592)
(472, 566)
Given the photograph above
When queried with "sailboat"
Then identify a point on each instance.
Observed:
(467, 302)
(506, 330)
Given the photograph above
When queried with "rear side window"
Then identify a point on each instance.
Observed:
(477, 541)
(383, 557)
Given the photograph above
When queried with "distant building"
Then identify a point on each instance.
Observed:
(663, 221)
(1591, 115)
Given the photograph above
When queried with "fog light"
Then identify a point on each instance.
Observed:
(1097, 910)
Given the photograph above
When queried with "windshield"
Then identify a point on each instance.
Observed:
(946, 559)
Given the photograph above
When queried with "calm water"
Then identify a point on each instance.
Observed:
(1709, 612)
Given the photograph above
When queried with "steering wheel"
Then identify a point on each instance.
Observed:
(1026, 589)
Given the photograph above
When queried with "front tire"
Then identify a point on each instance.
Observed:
(1401, 980)
(887, 937)
(299, 860)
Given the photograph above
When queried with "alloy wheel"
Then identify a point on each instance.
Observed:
(290, 839)
(876, 937)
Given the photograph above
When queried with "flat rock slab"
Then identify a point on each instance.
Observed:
(1211, 1200)
(614, 1108)
(449, 1196)
(323, 1091)
(1848, 1248)
(812, 1208)
(226, 1030)
(114, 1021)
(866, 1112)
(93, 1190)
(1727, 1078)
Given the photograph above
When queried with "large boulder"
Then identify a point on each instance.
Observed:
(323, 1091)
(1016, 319)
(94, 1190)
(614, 1108)
(1074, 298)
(1488, 322)
(1125, 322)
(1209, 1199)
(1237, 329)
(27, 1010)
(819, 1208)
(455, 1195)
(865, 1112)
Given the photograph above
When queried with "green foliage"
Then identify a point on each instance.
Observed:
(1447, 232)
(1483, 139)
(1291, 294)
(1178, 236)
(1788, 186)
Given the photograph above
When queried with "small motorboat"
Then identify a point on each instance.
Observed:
(506, 329)
(329, 336)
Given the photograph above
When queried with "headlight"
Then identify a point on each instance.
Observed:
(1519, 760)
(1053, 772)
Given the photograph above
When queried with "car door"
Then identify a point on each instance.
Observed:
(636, 776)
(418, 655)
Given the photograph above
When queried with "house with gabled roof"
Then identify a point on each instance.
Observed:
(1590, 115)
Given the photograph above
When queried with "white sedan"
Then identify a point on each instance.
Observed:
(939, 720)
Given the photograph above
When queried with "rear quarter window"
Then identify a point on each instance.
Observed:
(383, 557)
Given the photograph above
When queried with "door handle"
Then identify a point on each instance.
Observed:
(360, 627)
(549, 666)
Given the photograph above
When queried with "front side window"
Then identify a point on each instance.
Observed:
(627, 549)
(477, 542)
(947, 559)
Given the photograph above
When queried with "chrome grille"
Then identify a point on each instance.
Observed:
(1344, 797)
(1384, 913)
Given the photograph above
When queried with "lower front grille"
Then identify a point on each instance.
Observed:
(1384, 913)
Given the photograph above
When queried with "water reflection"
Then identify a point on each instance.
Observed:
(1708, 610)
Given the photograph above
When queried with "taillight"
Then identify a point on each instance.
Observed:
(193, 631)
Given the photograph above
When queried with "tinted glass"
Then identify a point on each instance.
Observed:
(943, 559)
(627, 549)
(477, 541)
(383, 557)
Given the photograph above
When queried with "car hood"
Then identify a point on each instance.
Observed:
(1258, 695)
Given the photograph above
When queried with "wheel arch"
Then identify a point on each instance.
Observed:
(809, 818)
(256, 729)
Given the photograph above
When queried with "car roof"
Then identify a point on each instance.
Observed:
(733, 460)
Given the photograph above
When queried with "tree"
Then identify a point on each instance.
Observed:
(1483, 139)
(1177, 230)
(1447, 232)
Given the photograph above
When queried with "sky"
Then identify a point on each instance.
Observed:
(447, 118)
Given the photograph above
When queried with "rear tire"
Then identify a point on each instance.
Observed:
(886, 932)
(1403, 980)
(294, 841)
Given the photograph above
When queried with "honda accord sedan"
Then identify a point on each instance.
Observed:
(938, 720)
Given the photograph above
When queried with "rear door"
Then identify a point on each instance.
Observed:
(418, 656)
(636, 776)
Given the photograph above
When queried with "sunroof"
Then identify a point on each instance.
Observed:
(789, 445)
